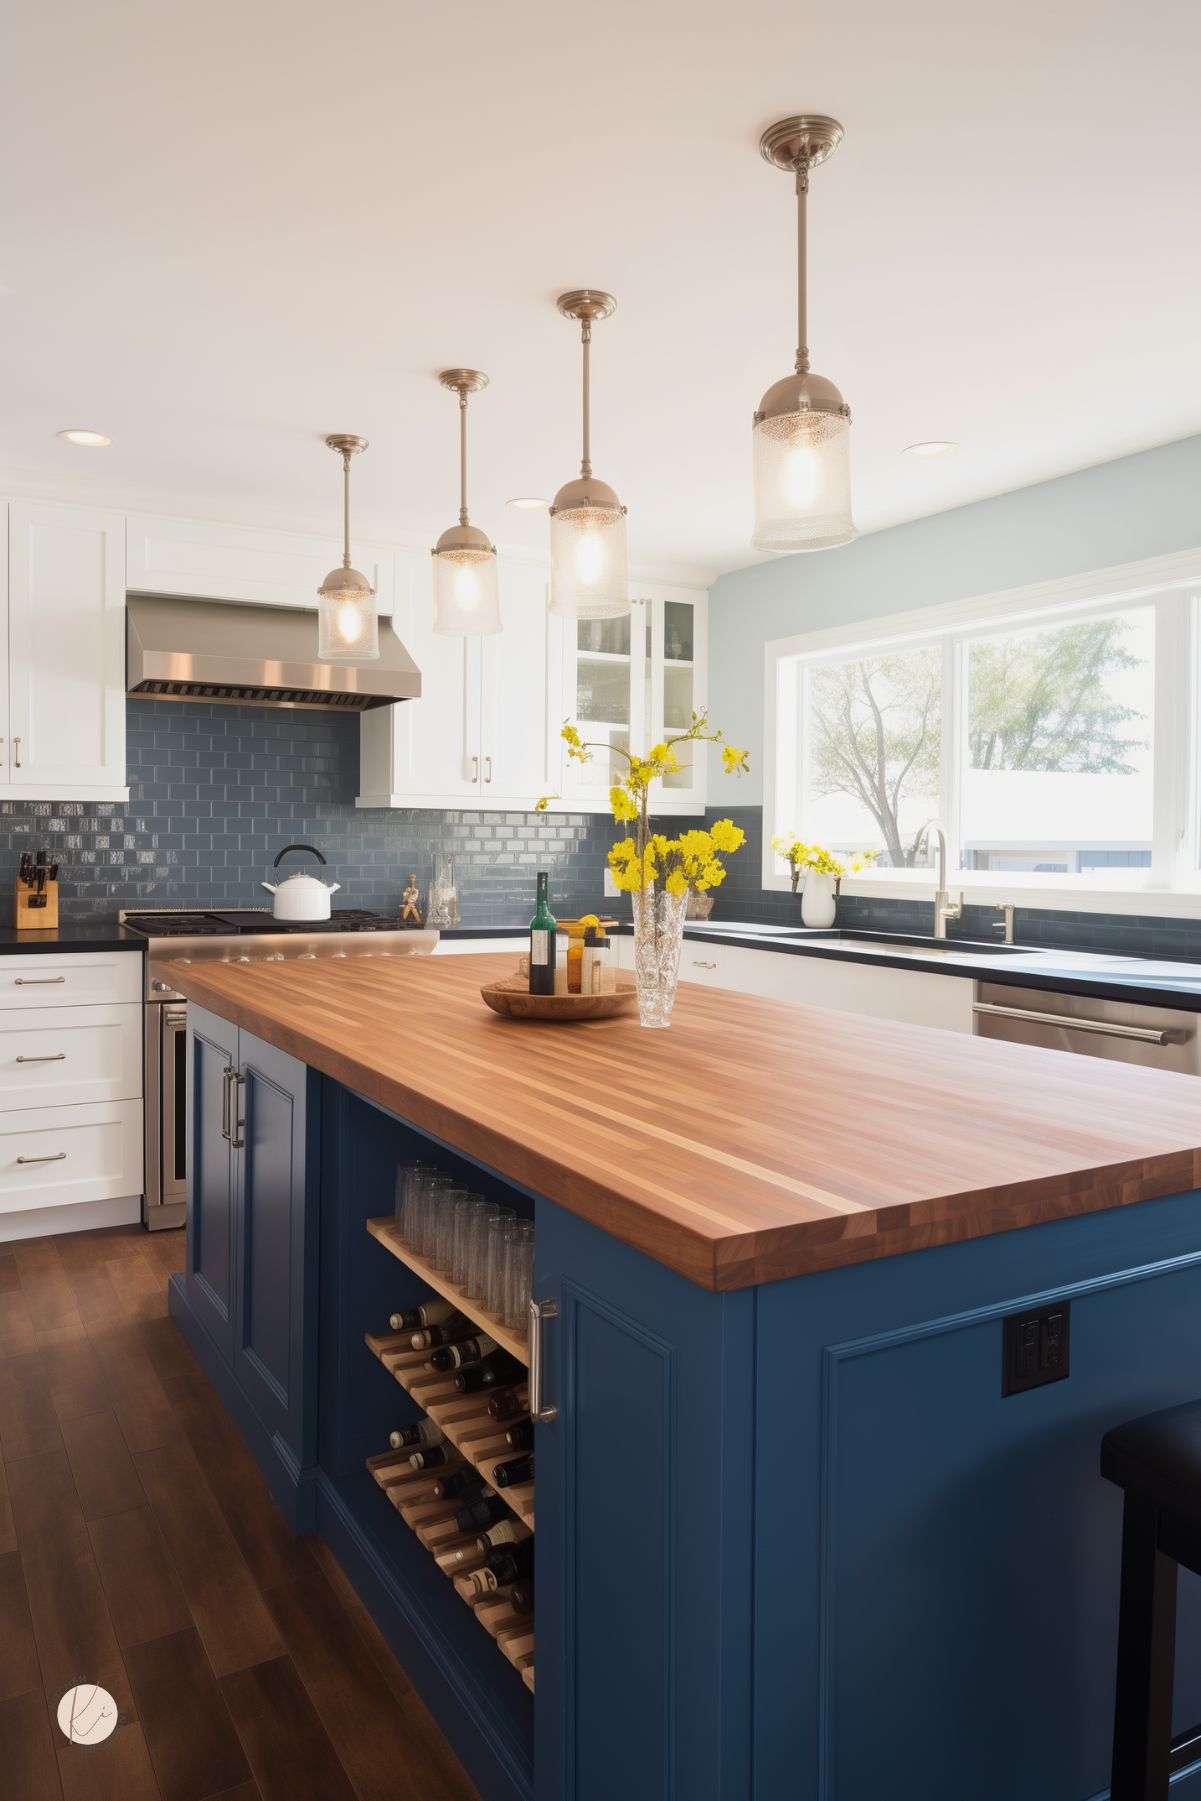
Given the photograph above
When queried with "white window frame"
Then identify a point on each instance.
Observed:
(1172, 584)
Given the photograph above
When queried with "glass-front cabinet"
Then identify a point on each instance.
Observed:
(630, 683)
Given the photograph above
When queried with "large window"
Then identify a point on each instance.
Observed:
(1053, 736)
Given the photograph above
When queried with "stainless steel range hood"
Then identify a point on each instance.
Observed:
(253, 656)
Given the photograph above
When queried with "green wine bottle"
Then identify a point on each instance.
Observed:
(542, 941)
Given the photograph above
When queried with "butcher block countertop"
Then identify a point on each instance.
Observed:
(752, 1141)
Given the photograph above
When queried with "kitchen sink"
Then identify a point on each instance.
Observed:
(879, 943)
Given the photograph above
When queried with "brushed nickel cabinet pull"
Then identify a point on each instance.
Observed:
(50, 1057)
(699, 963)
(54, 1157)
(238, 1120)
(540, 1413)
(475, 769)
(37, 981)
(17, 755)
(487, 769)
(227, 1075)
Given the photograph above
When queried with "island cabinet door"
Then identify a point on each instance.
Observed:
(209, 1273)
(270, 1127)
(643, 1541)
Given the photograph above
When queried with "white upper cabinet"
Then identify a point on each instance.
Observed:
(628, 683)
(479, 735)
(62, 698)
(234, 562)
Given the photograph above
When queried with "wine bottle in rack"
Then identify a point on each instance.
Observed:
(505, 1405)
(510, 1474)
(454, 1356)
(461, 1485)
(521, 1597)
(542, 941)
(477, 1516)
(430, 1313)
(512, 1563)
(493, 1371)
(434, 1457)
(449, 1332)
(504, 1532)
(421, 1432)
(521, 1435)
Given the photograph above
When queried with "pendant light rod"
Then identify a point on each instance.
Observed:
(463, 382)
(347, 445)
(586, 343)
(802, 272)
(586, 304)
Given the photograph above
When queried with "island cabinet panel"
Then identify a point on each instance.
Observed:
(246, 1296)
(936, 1566)
(644, 1519)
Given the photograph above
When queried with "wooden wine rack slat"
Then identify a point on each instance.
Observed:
(411, 1493)
(463, 1418)
(385, 1230)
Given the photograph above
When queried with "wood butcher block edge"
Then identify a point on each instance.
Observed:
(754, 1141)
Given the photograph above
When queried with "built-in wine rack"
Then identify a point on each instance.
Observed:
(480, 1439)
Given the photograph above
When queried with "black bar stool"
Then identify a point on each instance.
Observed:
(1156, 1460)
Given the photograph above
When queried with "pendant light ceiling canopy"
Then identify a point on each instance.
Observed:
(466, 596)
(347, 618)
(589, 573)
(802, 427)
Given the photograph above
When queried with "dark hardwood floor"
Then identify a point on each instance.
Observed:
(139, 1549)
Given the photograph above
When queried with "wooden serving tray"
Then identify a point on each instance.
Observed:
(513, 999)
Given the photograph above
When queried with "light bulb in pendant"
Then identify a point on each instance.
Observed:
(347, 619)
(466, 593)
(589, 572)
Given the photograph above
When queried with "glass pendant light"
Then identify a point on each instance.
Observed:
(347, 621)
(466, 597)
(589, 577)
(802, 430)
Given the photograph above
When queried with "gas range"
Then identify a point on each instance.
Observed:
(254, 935)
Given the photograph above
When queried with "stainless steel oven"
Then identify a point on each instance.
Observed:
(166, 1108)
(1121, 1031)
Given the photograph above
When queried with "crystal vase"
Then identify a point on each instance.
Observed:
(658, 936)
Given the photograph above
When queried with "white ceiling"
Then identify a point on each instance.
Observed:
(231, 228)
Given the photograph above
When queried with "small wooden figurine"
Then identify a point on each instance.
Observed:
(411, 914)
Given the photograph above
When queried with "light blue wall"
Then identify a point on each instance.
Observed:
(1139, 506)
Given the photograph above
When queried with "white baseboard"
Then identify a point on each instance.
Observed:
(83, 1216)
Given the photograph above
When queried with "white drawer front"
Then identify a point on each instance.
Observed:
(56, 1156)
(72, 979)
(66, 1056)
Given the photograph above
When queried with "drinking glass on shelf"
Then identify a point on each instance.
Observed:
(519, 1274)
(432, 1185)
(496, 1263)
(467, 1213)
(446, 1206)
(408, 1176)
(477, 1249)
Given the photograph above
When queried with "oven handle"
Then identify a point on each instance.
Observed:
(1102, 1028)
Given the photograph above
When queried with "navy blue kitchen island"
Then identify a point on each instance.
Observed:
(836, 1533)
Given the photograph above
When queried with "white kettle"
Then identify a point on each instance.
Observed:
(301, 897)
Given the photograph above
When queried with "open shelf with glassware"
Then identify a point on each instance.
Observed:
(509, 1338)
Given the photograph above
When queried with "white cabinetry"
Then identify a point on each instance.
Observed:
(62, 693)
(70, 1091)
(480, 733)
(234, 562)
(915, 996)
(628, 683)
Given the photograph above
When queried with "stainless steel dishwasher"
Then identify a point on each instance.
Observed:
(1122, 1031)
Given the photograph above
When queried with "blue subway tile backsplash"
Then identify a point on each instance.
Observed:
(216, 791)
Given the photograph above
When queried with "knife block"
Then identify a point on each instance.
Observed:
(28, 918)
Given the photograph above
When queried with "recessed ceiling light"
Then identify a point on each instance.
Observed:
(933, 447)
(527, 503)
(90, 440)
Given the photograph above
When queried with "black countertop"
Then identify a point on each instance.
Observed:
(83, 935)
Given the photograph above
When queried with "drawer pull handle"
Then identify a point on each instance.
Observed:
(54, 1157)
(699, 963)
(540, 1413)
(16, 753)
(36, 981)
(50, 1057)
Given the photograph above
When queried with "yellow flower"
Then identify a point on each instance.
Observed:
(664, 759)
(712, 874)
(728, 837)
(576, 748)
(734, 760)
(623, 805)
(540, 806)
(676, 883)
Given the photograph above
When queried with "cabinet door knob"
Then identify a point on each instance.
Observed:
(540, 1413)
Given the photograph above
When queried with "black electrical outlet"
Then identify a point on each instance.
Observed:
(1035, 1348)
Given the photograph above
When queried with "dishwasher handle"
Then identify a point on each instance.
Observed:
(1102, 1028)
